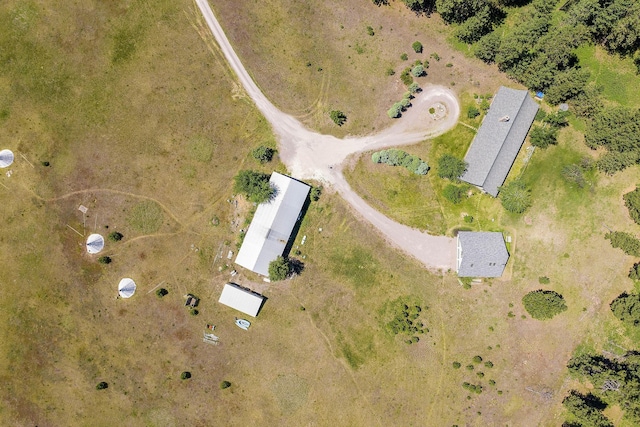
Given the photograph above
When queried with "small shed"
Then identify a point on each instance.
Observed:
(481, 254)
(241, 299)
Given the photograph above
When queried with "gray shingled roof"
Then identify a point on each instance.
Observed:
(497, 143)
(481, 254)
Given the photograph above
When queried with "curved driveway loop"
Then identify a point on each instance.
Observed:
(309, 154)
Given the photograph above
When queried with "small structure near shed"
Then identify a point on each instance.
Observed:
(481, 254)
(241, 299)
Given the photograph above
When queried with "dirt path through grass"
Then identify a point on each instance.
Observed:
(311, 155)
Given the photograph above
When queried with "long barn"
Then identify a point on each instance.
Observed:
(499, 139)
(272, 224)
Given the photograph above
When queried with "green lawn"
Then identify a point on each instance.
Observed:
(618, 76)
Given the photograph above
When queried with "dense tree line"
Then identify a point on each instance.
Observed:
(539, 51)
(618, 130)
(625, 241)
(615, 381)
(632, 202)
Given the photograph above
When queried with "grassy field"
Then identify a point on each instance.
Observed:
(617, 76)
(325, 59)
(130, 111)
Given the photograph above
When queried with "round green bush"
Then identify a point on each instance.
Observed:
(477, 359)
(543, 305)
(185, 375)
(225, 384)
(115, 236)
(456, 365)
(102, 385)
(161, 292)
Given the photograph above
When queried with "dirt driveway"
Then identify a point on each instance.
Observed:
(311, 155)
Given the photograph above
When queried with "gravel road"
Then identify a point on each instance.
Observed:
(310, 155)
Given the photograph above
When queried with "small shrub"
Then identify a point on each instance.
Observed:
(472, 112)
(468, 219)
(161, 292)
(225, 384)
(413, 88)
(417, 47)
(456, 365)
(480, 374)
(453, 193)
(263, 154)
(406, 77)
(394, 112)
(515, 197)
(477, 359)
(390, 72)
(404, 56)
(102, 385)
(370, 31)
(634, 273)
(470, 367)
(315, 193)
(46, 164)
(338, 117)
(185, 375)
(104, 260)
(488, 364)
(544, 280)
(418, 71)
(279, 269)
(114, 236)
(194, 312)
(450, 167)
(435, 56)
(492, 382)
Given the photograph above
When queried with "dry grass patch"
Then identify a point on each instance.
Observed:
(324, 59)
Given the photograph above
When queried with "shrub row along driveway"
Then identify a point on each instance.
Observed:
(311, 155)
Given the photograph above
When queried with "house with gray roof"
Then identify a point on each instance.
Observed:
(481, 254)
(499, 139)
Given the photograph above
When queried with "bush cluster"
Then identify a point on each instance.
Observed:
(472, 387)
(626, 307)
(625, 241)
(395, 157)
(406, 321)
(632, 202)
(396, 109)
(543, 305)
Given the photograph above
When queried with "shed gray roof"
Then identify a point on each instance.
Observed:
(481, 254)
(272, 224)
(499, 139)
